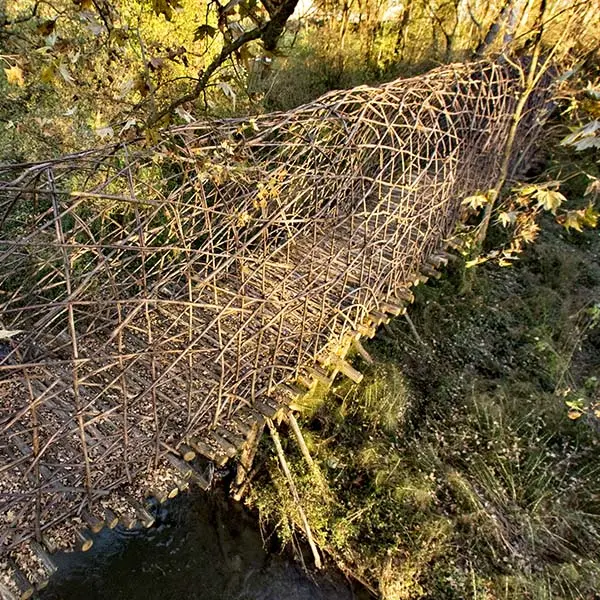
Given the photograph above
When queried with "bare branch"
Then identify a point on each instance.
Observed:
(268, 32)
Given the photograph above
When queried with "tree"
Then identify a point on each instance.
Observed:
(268, 30)
(167, 52)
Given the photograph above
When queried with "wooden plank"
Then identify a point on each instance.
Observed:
(84, 540)
(393, 309)
(429, 271)
(225, 445)
(347, 369)
(235, 439)
(25, 587)
(437, 261)
(405, 294)
(94, 523)
(110, 518)
(366, 330)
(188, 472)
(319, 374)
(44, 557)
(143, 515)
(202, 448)
(187, 453)
(360, 349)
(292, 390)
(304, 382)
(244, 427)
(266, 409)
(449, 256)
(378, 317)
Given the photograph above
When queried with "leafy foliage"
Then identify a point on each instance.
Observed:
(154, 61)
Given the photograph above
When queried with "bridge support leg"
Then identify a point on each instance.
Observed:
(300, 439)
(288, 475)
(247, 455)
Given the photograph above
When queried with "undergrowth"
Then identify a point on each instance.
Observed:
(457, 469)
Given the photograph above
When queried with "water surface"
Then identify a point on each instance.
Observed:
(203, 547)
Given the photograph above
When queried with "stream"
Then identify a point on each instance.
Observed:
(204, 547)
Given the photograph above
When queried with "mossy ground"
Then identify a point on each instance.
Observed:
(454, 469)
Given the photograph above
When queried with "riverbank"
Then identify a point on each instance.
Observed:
(465, 465)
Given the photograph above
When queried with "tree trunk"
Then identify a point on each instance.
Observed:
(494, 29)
(402, 31)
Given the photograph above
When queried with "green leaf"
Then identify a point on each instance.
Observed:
(576, 404)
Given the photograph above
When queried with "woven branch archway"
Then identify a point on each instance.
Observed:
(161, 292)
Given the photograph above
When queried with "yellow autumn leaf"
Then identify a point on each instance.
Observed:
(527, 190)
(476, 261)
(507, 218)
(529, 232)
(571, 220)
(550, 199)
(243, 218)
(593, 188)
(589, 216)
(14, 75)
(574, 414)
(476, 201)
(506, 263)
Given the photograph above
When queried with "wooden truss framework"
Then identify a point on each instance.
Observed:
(167, 297)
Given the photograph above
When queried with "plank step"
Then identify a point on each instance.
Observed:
(346, 368)
(207, 451)
(225, 445)
(320, 374)
(266, 409)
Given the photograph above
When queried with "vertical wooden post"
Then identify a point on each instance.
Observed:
(247, 455)
(300, 439)
(295, 495)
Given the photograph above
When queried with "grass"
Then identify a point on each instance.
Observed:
(456, 471)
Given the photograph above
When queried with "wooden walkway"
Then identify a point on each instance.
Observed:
(166, 300)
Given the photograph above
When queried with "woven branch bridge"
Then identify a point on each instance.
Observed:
(165, 298)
